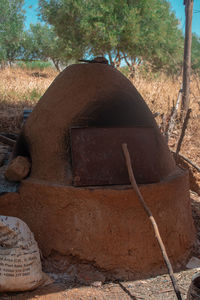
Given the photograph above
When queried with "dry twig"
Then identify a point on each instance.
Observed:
(188, 160)
(185, 123)
(173, 116)
(6, 140)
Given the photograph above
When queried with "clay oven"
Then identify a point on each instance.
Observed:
(77, 199)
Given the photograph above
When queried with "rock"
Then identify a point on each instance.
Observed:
(2, 158)
(18, 169)
(193, 263)
(97, 283)
(88, 275)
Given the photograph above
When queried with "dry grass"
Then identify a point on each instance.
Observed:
(21, 89)
(160, 95)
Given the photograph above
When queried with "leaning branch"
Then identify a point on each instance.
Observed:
(6, 140)
(152, 220)
(188, 160)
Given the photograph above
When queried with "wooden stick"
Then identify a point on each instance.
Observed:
(187, 55)
(185, 123)
(188, 160)
(173, 116)
(152, 220)
(6, 140)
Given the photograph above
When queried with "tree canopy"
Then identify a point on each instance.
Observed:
(139, 31)
(11, 29)
(41, 42)
(195, 59)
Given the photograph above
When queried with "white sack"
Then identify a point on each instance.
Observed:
(20, 265)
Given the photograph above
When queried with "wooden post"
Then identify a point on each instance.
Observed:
(187, 56)
(185, 123)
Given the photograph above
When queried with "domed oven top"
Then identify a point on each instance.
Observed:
(79, 124)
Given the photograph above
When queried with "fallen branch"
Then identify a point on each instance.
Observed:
(164, 291)
(152, 220)
(188, 160)
(6, 140)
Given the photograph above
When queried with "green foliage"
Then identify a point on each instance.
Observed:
(124, 70)
(195, 59)
(41, 42)
(66, 17)
(11, 29)
(34, 65)
(35, 95)
(139, 31)
(160, 41)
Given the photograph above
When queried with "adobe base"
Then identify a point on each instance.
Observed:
(106, 226)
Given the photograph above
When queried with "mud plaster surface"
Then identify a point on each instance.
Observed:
(73, 287)
(83, 95)
(107, 227)
(155, 288)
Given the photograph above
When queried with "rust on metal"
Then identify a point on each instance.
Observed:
(97, 157)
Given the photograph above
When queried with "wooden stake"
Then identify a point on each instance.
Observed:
(187, 56)
(152, 220)
(184, 127)
(173, 116)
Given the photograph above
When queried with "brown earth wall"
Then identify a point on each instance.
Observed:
(107, 226)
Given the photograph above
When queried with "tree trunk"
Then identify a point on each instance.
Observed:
(131, 68)
(110, 59)
(3, 64)
(56, 64)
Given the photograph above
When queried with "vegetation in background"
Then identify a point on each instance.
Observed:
(140, 32)
(21, 89)
(11, 30)
(41, 42)
(195, 59)
(143, 34)
(34, 65)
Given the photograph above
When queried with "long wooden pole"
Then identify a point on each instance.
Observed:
(152, 220)
(187, 56)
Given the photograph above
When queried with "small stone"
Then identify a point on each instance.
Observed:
(87, 275)
(97, 283)
(193, 263)
(18, 169)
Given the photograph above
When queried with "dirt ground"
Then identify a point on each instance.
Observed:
(158, 288)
